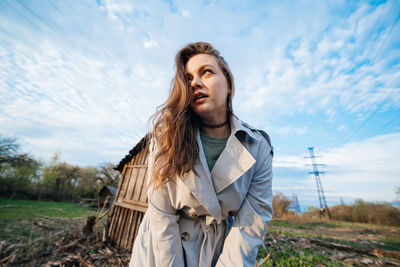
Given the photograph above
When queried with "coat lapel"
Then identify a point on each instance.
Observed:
(202, 186)
(233, 162)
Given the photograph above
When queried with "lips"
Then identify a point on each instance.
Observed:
(199, 97)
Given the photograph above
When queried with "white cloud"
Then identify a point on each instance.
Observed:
(87, 87)
(372, 160)
(150, 44)
(338, 67)
(185, 13)
(289, 130)
(74, 102)
(289, 161)
(367, 169)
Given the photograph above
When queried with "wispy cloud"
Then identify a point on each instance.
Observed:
(83, 77)
(346, 65)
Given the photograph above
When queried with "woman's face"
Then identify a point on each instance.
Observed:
(210, 88)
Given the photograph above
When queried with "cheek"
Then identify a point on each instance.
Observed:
(222, 91)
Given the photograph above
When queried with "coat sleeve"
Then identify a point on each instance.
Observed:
(249, 227)
(164, 225)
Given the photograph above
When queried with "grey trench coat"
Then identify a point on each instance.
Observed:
(214, 219)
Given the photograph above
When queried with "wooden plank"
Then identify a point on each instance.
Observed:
(110, 217)
(125, 184)
(139, 184)
(116, 223)
(113, 223)
(114, 209)
(131, 238)
(138, 222)
(135, 203)
(128, 229)
(136, 178)
(124, 226)
(137, 159)
(121, 181)
(120, 226)
(135, 230)
(141, 208)
(140, 156)
(143, 191)
(111, 226)
(142, 179)
(131, 183)
(136, 166)
(142, 195)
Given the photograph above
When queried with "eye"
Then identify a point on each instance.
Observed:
(207, 72)
(189, 78)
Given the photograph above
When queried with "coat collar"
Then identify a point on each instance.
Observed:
(233, 162)
(237, 126)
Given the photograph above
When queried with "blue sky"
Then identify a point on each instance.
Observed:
(83, 77)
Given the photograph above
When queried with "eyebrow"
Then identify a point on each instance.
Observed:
(202, 67)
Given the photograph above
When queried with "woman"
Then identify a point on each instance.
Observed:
(210, 174)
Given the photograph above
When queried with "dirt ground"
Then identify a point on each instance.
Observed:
(349, 244)
(61, 242)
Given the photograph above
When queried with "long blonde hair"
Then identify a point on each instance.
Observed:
(176, 124)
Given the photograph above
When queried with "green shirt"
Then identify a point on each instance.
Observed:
(213, 147)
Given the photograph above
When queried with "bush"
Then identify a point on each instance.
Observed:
(280, 205)
(23, 177)
(362, 212)
(17, 171)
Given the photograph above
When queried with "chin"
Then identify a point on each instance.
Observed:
(201, 111)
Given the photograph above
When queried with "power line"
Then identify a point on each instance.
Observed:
(72, 23)
(387, 36)
(386, 124)
(350, 136)
(366, 120)
(332, 127)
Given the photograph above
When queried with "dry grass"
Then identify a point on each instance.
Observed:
(362, 212)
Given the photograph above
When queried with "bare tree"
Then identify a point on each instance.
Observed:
(108, 175)
(280, 205)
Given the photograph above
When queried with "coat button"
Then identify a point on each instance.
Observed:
(192, 214)
(185, 236)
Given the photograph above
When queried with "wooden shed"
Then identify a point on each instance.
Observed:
(130, 202)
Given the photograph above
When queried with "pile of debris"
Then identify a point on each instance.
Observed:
(88, 246)
(75, 247)
(275, 244)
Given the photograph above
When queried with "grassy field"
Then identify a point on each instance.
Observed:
(34, 231)
(26, 223)
(330, 243)
(25, 209)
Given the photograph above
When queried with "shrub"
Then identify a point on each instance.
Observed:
(363, 212)
(280, 205)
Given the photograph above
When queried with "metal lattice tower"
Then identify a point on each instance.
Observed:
(295, 204)
(322, 201)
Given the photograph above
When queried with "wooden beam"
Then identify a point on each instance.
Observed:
(136, 166)
(133, 204)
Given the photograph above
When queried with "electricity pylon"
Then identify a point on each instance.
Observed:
(295, 204)
(323, 207)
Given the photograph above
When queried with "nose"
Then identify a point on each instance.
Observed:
(196, 82)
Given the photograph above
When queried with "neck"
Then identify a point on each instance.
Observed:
(223, 131)
(219, 132)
